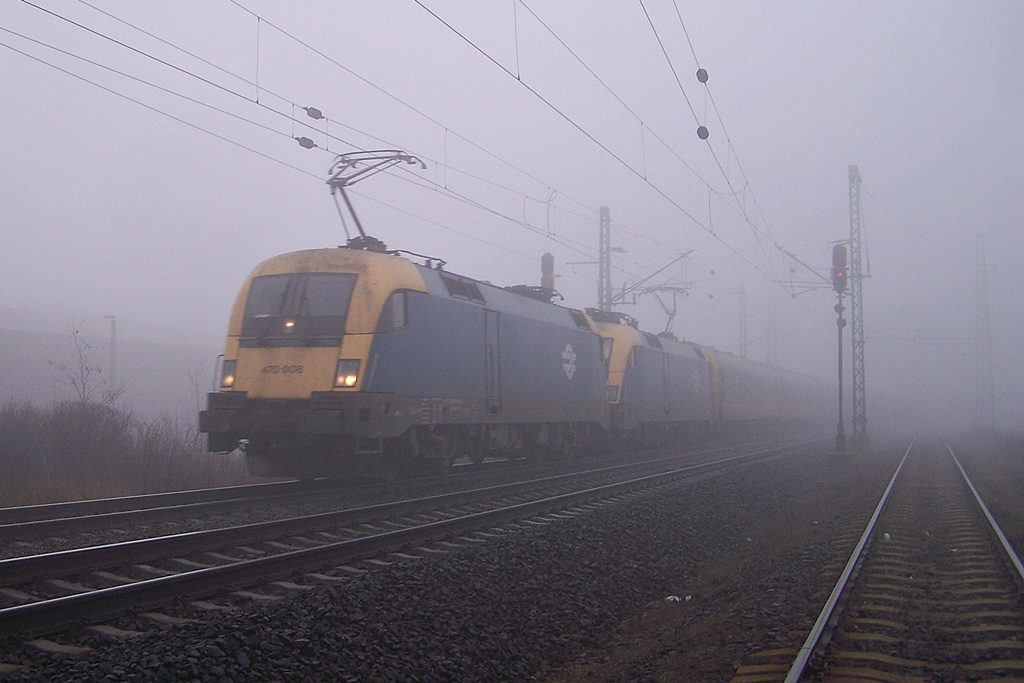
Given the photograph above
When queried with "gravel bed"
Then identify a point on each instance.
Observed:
(994, 463)
(751, 558)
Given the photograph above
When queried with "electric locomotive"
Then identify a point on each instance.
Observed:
(659, 389)
(360, 361)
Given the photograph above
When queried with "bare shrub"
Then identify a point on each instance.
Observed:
(76, 450)
(81, 380)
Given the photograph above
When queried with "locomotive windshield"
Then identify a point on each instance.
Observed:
(298, 309)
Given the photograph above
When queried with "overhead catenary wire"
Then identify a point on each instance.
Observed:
(159, 111)
(451, 194)
(427, 117)
(254, 84)
(738, 207)
(399, 100)
(597, 142)
(558, 111)
(914, 231)
(614, 94)
(229, 140)
(747, 187)
(643, 124)
(696, 118)
(143, 81)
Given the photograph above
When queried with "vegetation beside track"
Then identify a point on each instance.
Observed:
(75, 450)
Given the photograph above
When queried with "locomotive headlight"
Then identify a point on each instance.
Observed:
(227, 374)
(348, 372)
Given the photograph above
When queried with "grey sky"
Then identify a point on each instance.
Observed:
(111, 207)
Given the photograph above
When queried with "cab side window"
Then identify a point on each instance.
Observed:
(392, 315)
(606, 352)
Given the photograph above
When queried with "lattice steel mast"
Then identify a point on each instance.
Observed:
(985, 394)
(604, 268)
(860, 419)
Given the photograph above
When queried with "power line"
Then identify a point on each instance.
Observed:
(588, 135)
(629, 109)
(249, 82)
(479, 147)
(461, 137)
(224, 138)
(397, 99)
(558, 111)
(728, 139)
(451, 194)
(142, 81)
(158, 111)
(711, 149)
(614, 94)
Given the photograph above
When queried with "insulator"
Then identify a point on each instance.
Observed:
(314, 113)
(305, 142)
(702, 132)
(702, 75)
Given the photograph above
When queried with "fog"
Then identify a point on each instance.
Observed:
(150, 161)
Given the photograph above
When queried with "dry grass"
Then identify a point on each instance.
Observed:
(77, 450)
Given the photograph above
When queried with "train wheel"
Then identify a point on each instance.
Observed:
(477, 446)
(388, 468)
(437, 448)
(397, 457)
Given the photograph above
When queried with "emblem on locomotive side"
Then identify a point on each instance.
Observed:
(569, 361)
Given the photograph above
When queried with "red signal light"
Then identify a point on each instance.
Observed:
(839, 268)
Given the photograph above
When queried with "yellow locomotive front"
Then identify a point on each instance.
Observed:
(298, 340)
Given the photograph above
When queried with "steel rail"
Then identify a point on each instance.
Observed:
(1011, 554)
(54, 614)
(84, 514)
(799, 666)
(62, 518)
(148, 501)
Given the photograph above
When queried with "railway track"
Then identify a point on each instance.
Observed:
(45, 593)
(84, 514)
(59, 526)
(55, 519)
(932, 591)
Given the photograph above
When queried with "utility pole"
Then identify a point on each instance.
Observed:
(744, 339)
(604, 268)
(984, 391)
(772, 354)
(839, 279)
(860, 419)
(743, 322)
(113, 354)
